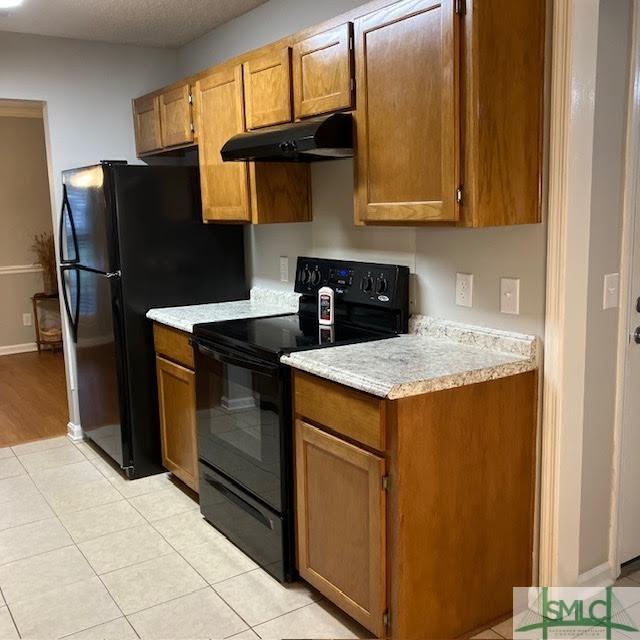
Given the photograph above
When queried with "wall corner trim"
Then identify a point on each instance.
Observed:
(74, 432)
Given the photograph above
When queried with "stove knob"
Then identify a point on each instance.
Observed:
(367, 284)
(305, 276)
(382, 285)
(315, 277)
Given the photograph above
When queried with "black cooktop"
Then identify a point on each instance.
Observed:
(275, 335)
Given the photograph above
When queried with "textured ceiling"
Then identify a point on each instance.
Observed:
(158, 23)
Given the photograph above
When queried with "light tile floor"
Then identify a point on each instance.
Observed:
(85, 553)
(630, 578)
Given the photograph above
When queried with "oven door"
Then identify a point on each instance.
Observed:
(241, 418)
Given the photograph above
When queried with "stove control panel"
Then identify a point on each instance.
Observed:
(380, 285)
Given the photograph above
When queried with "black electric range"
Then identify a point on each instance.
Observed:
(272, 336)
(243, 395)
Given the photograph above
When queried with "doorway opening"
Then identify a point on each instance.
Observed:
(33, 389)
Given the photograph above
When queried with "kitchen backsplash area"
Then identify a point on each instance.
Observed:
(434, 255)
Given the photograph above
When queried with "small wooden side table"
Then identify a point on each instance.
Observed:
(41, 340)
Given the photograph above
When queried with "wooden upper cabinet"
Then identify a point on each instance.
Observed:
(340, 508)
(175, 117)
(407, 121)
(146, 124)
(225, 185)
(503, 112)
(323, 72)
(267, 87)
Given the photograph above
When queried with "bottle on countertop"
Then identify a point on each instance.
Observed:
(326, 306)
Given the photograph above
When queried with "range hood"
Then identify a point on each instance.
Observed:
(326, 138)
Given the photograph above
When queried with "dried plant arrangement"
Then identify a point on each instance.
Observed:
(44, 249)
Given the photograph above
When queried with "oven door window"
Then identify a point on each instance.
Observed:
(239, 411)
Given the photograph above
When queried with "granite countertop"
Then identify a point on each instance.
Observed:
(436, 355)
(263, 302)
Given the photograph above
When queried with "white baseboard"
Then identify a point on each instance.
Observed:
(12, 349)
(74, 432)
(600, 576)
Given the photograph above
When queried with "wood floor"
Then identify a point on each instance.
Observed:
(33, 397)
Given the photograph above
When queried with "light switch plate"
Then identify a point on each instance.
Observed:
(464, 289)
(26, 319)
(510, 296)
(611, 294)
(284, 269)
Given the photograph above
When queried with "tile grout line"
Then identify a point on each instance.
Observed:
(57, 517)
(213, 586)
(133, 564)
(11, 615)
(128, 499)
(40, 553)
(209, 585)
(40, 440)
(97, 576)
(282, 615)
(95, 626)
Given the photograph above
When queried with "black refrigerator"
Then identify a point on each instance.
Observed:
(132, 239)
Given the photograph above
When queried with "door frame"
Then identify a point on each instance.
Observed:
(631, 218)
(572, 116)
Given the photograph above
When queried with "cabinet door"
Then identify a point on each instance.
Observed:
(407, 79)
(175, 117)
(323, 72)
(225, 185)
(146, 124)
(340, 512)
(177, 398)
(267, 87)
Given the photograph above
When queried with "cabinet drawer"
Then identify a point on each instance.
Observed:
(350, 413)
(173, 344)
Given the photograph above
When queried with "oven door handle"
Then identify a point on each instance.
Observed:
(239, 502)
(244, 362)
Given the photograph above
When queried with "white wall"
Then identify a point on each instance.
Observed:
(434, 254)
(604, 257)
(87, 88)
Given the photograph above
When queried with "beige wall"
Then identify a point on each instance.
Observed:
(604, 257)
(25, 210)
(433, 254)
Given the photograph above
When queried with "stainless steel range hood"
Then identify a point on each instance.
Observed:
(326, 138)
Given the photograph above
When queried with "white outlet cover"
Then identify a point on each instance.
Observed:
(510, 296)
(611, 293)
(464, 289)
(26, 319)
(284, 269)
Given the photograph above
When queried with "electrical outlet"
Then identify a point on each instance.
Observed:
(26, 319)
(464, 289)
(284, 269)
(510, 296)
(611, 294)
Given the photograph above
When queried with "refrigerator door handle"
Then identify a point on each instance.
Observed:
(107, 274)
(71, 315)
(66, 207)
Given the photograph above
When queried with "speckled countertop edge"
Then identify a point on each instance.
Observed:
(262, 302)
(433, 345)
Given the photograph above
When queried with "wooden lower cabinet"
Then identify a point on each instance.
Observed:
(341, 523)
(177, 397)
(426, 534)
